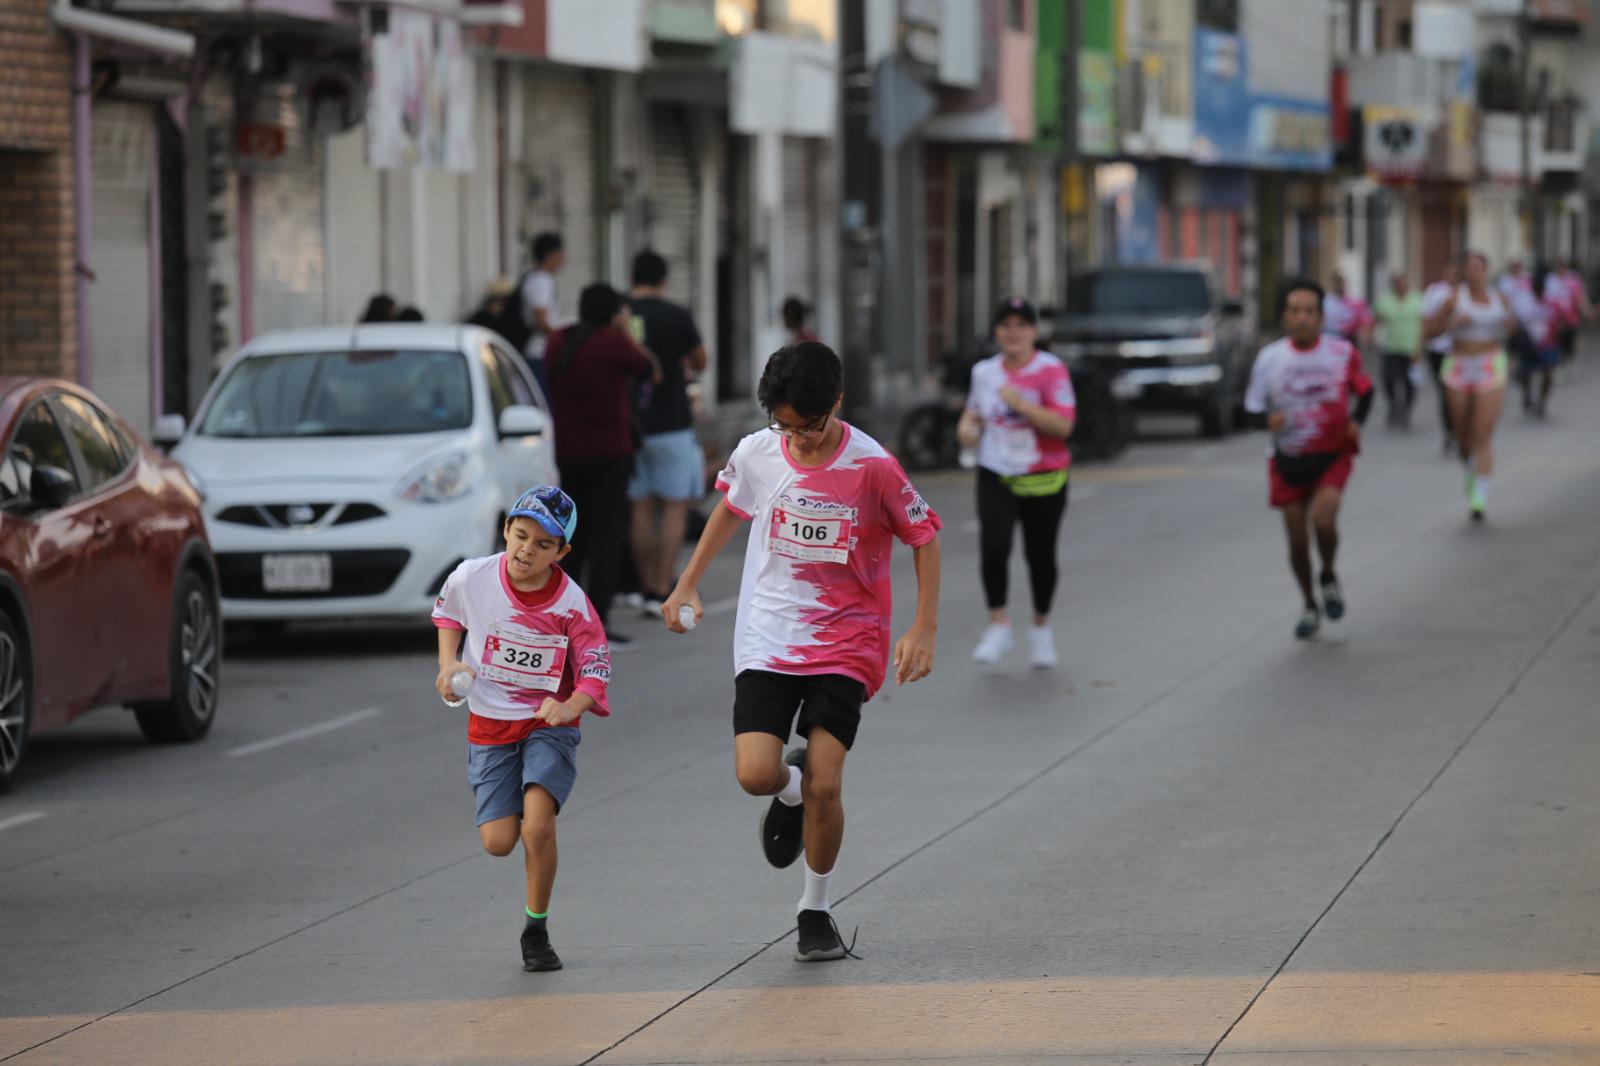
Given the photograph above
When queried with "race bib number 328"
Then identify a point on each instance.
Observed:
(811, 535)
(521, 658)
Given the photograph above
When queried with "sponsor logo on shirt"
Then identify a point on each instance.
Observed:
(597, 664)
(917, 509)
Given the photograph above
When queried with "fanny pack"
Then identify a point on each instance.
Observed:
(1047, 483)
(1302, 470)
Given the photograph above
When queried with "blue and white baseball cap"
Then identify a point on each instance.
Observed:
(550, 507)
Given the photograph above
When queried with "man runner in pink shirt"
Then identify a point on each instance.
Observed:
(826, 503)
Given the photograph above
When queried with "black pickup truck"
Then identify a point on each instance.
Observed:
(1162, 336)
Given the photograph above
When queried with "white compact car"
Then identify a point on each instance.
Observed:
(346, 471)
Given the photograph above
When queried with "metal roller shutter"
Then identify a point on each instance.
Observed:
(672, 225)
(122, 159)
(799, 231)
(289, 250)
(558, 175)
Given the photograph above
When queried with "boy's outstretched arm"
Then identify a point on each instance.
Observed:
(720, 528)
(913, 655)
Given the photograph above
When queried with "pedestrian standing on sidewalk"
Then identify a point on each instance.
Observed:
(795, 313)
(1399, 315)
(537, 660)
(1477, 320)
(380, 308)
(593, 367)
(536, 305)
(669, 471)
(1439, 347)
(1020, 412)
(1300, 390)
(826, 503)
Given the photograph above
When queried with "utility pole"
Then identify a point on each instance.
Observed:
(1071, 150)
(1525, 164)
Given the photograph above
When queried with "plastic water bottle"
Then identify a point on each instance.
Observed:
(460, 684)
(686, 616)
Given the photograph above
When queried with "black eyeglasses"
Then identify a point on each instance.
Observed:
(813, 429)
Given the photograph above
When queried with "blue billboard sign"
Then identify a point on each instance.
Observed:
(1235, 126)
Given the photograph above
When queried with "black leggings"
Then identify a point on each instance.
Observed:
(599, 489)
(999, 510)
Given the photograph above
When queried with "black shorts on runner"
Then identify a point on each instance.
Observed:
(765, 702)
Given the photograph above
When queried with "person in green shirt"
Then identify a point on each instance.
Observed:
(1399, 315)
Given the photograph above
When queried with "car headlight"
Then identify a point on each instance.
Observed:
(438, 480)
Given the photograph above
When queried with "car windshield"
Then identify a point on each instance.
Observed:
(342, 394)
(1107, 292)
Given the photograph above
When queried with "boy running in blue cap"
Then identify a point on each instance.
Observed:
(539, 660)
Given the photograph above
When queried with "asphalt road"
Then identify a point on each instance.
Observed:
(1197, 841)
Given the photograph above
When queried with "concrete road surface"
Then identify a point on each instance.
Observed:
(1197, 841)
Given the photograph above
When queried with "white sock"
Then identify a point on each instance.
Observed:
(1483, 487)
(816, 895)
(790, 796)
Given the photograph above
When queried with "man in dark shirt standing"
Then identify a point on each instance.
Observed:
(669, 472)
(592, 367)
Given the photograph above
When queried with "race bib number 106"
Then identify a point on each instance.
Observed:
(810, 535)
(520, 658)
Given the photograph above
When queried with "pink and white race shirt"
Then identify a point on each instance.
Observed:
(816, 595)
(1010, 446)
(1312, 387)
(525, 646)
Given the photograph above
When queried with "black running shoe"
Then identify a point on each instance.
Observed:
(819, 938)
(537, 954)
(620, 641)
(782, 826)
(1332, 599)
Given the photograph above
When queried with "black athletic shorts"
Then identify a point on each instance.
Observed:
(765, 702)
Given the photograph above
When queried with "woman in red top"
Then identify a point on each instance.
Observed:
(592, 367)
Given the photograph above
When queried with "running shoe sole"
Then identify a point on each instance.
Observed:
(820, 955)
(782, 827)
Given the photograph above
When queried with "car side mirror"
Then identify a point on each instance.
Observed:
(168, 430)
(1233, 308)
(51, 487)
(521, 420)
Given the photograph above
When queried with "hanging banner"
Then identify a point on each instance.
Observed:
(419, 112)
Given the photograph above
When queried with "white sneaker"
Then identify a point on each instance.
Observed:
(994, 644)
(1042, 647)
(632, 600)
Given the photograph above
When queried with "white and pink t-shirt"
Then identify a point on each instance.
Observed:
(816, 596)
(1010, 445)
(525, 646)
(1312, 387)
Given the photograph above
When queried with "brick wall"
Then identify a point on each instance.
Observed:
(38, 330)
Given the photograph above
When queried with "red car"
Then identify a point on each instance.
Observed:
(108, 590)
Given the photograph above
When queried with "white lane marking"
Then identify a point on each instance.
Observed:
(22, 819)
(301, 734)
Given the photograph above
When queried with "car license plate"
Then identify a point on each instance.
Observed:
(301, 572)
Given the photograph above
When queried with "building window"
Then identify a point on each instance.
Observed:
(1017, 15)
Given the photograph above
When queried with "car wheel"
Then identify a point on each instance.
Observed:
(195, 669)
(16, 692)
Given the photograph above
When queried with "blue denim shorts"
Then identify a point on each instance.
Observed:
(498, 773)
(669, 466)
